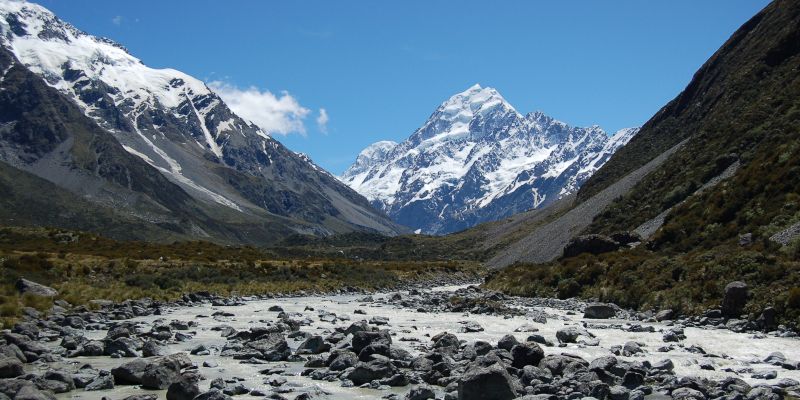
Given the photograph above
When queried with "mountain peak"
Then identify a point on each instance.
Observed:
(477, 159)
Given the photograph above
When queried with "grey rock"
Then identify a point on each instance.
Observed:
(599, 311)
(25, 286)
(487, 383)
(734, 299)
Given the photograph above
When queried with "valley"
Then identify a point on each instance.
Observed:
(159, 241)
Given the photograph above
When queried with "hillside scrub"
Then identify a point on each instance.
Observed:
(688, 283)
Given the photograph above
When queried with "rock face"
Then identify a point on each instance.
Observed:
(592, 244)
(477, 159)
(735, 299)
(25, 286)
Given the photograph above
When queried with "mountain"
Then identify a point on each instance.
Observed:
(156, 145)
(477, 159)
(711, 186)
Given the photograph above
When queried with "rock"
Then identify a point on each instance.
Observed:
(102, 382)
(631, 348)
(10, 367)
(152, 349)
(603, 363)
(124, 346)
(272, 347)
(526, 354)
(363, 339)
(687, 394)
(766, 375)
(275, 308)
(30, 392)
(25, 286)
(368, 352)
(735, 299)
(420, 393)
(487, 383)
(93, 348)
(570, 334)
(342, 361)
(471, 326)
(213, 394)
(130, 373)
(365, 372)
(313, 345)
(160, 376)
(664, 365)
(767, 319)
(444, 340)
(599, 311)
(665, 315)
(185, 388)
(593, 244)
(64, 377)
(507, 342)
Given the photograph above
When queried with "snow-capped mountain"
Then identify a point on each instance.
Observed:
(178, 126)
(477, 159)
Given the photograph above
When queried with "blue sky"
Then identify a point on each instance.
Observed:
(379, 69)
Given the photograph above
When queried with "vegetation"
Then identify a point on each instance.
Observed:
(83, 267)
(688, 283)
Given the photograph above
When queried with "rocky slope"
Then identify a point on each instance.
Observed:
(477, 159)
(167, 141)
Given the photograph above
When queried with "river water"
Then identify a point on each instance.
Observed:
(411, 329)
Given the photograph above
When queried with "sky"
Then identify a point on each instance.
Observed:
(328, 78)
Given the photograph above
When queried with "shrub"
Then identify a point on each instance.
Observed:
(793, 300)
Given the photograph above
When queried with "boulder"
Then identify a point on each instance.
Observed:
(420, 393)
(665, 315)
(272, 347)
(445, 339)
(599, 311)
(213, 394)
(507, 342)
(160, 376)
(363, 339)
(526, 354)
(10, 367)
(130, 373)
(365, 372)
(185, 388)
(487, 383)
(735, 299)
(313, 345)
(25, 286)
(102, 382)
(593, 244)
(341, 361)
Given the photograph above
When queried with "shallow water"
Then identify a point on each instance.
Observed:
(735, 350)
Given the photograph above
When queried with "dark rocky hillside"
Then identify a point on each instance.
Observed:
(723, 207)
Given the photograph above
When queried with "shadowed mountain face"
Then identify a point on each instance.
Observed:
(477, 159)
(155, 145)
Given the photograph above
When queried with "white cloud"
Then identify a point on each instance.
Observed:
(322, 120)
(117, 20)
(281, 114)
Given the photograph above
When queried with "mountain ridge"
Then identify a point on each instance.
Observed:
(179, 127)
(477, 159)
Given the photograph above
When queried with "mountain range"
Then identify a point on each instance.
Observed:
(477, 159)
(154, 149)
